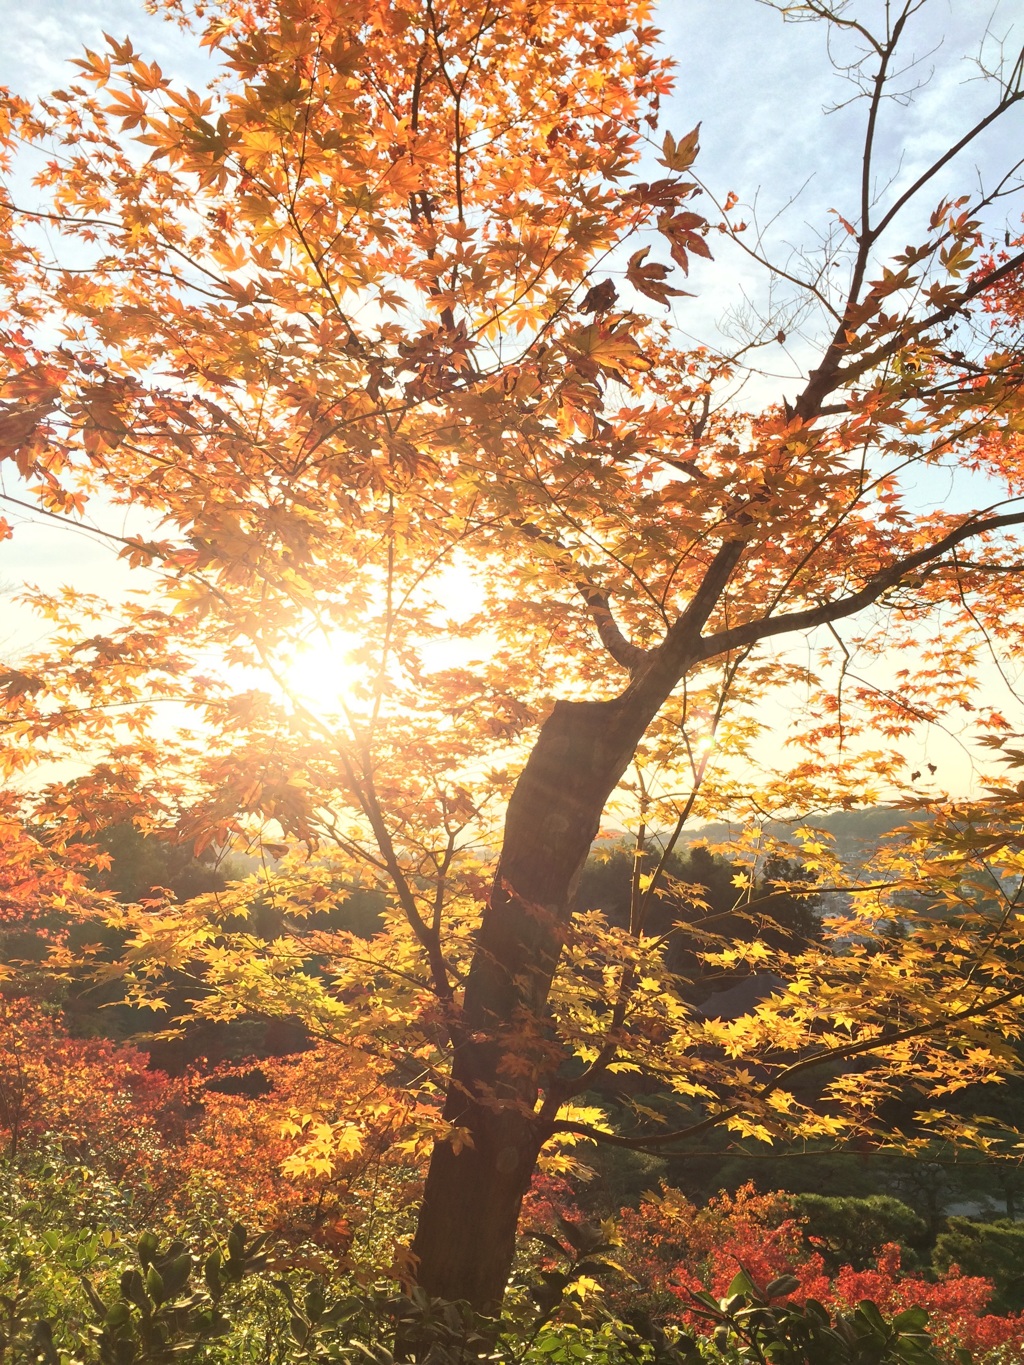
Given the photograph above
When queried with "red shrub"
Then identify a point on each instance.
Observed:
(673, 1248)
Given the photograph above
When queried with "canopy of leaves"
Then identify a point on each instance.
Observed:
(328, 352)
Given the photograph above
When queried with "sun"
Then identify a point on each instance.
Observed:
(324, 673)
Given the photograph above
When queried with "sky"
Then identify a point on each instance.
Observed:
(757, 85)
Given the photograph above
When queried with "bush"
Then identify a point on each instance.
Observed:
(752, 1324)
(992, 1249)
(676, 1251)
(849, 1231)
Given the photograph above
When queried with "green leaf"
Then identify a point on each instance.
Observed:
(552, 1243)
(118, 1314)
(147, 1247)
(212, 1268)
(314, 1301)
(780, 1288)
(741, 1284)
(155, 1285)
(911, 1320)
(175, 1273)
(133, 1289)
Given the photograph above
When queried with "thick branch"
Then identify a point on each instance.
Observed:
(682, 645)
(623, 651)
(750, 633)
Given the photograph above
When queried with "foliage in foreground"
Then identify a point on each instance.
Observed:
(230, 1301)
(116, 1173)
(81, 1284)
(674, 1255)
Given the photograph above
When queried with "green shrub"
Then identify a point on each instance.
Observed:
(995, 1250)
(850, 1231)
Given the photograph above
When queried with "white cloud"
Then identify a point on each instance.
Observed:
(43, 36)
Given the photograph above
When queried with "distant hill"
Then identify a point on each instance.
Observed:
(856, 832)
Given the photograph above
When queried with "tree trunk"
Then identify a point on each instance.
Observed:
(465, 1239)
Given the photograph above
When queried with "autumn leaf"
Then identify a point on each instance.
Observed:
(681, 229)
(680, 156)
(650, 279)
(599, 298)
(15, 685)
(614, 350)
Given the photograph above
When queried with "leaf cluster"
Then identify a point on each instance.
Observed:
(753, 1324)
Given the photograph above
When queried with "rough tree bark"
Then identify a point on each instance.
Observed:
(466, 1234)
(465, 1238)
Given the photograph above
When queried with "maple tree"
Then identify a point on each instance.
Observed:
(93, 1101)
(340, 336)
